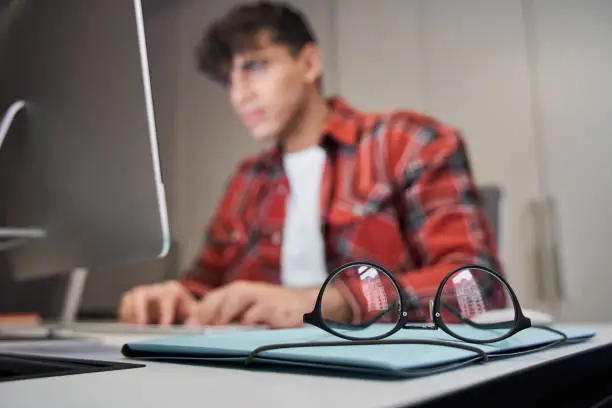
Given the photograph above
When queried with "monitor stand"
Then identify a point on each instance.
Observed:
(72, 301)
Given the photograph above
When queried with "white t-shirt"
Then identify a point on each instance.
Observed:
(303, 251)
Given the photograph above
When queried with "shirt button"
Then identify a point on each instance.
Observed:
(358, 209)
(276, 238)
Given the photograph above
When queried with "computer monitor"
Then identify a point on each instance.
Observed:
(85, 186)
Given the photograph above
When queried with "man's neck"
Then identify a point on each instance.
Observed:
(307, 130)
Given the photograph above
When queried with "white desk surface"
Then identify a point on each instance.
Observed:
(177, 386)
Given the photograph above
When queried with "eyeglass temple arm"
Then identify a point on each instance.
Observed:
(482, 355)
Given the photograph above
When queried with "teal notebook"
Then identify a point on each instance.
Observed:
(395, 360)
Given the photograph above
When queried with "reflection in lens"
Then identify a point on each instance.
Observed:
(368, 295)
(473, 305)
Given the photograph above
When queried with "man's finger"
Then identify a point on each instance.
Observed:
(258, 313)
(186, 307)
(284, 319)
(231, 308)
(140, 306)
(126, 307)
(208, 308)
(167, 302)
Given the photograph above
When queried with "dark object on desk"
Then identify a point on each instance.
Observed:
(15, 367)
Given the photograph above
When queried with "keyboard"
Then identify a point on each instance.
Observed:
(125, 328)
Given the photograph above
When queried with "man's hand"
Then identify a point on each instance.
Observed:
(162, 303)
(262, 303)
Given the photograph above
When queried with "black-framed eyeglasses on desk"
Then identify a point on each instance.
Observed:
(473, 305)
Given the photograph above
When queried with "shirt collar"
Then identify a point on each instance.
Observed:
(343, 122)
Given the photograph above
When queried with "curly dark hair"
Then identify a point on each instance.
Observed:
(237, 32)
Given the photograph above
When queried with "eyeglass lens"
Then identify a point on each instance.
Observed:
(371, 294)
(475, 304)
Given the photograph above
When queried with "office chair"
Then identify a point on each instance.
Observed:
(491, 196)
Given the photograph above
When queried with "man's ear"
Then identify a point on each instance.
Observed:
(313, 62)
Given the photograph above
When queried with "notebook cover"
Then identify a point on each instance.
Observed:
(388, 360)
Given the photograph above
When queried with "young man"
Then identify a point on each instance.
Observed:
(338, 185)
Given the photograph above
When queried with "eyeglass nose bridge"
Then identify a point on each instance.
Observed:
(431, 308)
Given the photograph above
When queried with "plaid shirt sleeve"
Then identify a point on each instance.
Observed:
(215, 255)
(441, 215)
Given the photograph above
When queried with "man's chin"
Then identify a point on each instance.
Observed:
(263, 135)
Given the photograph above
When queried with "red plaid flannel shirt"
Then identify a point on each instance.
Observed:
(436, 224)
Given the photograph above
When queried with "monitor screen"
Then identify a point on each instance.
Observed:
(84, 178)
